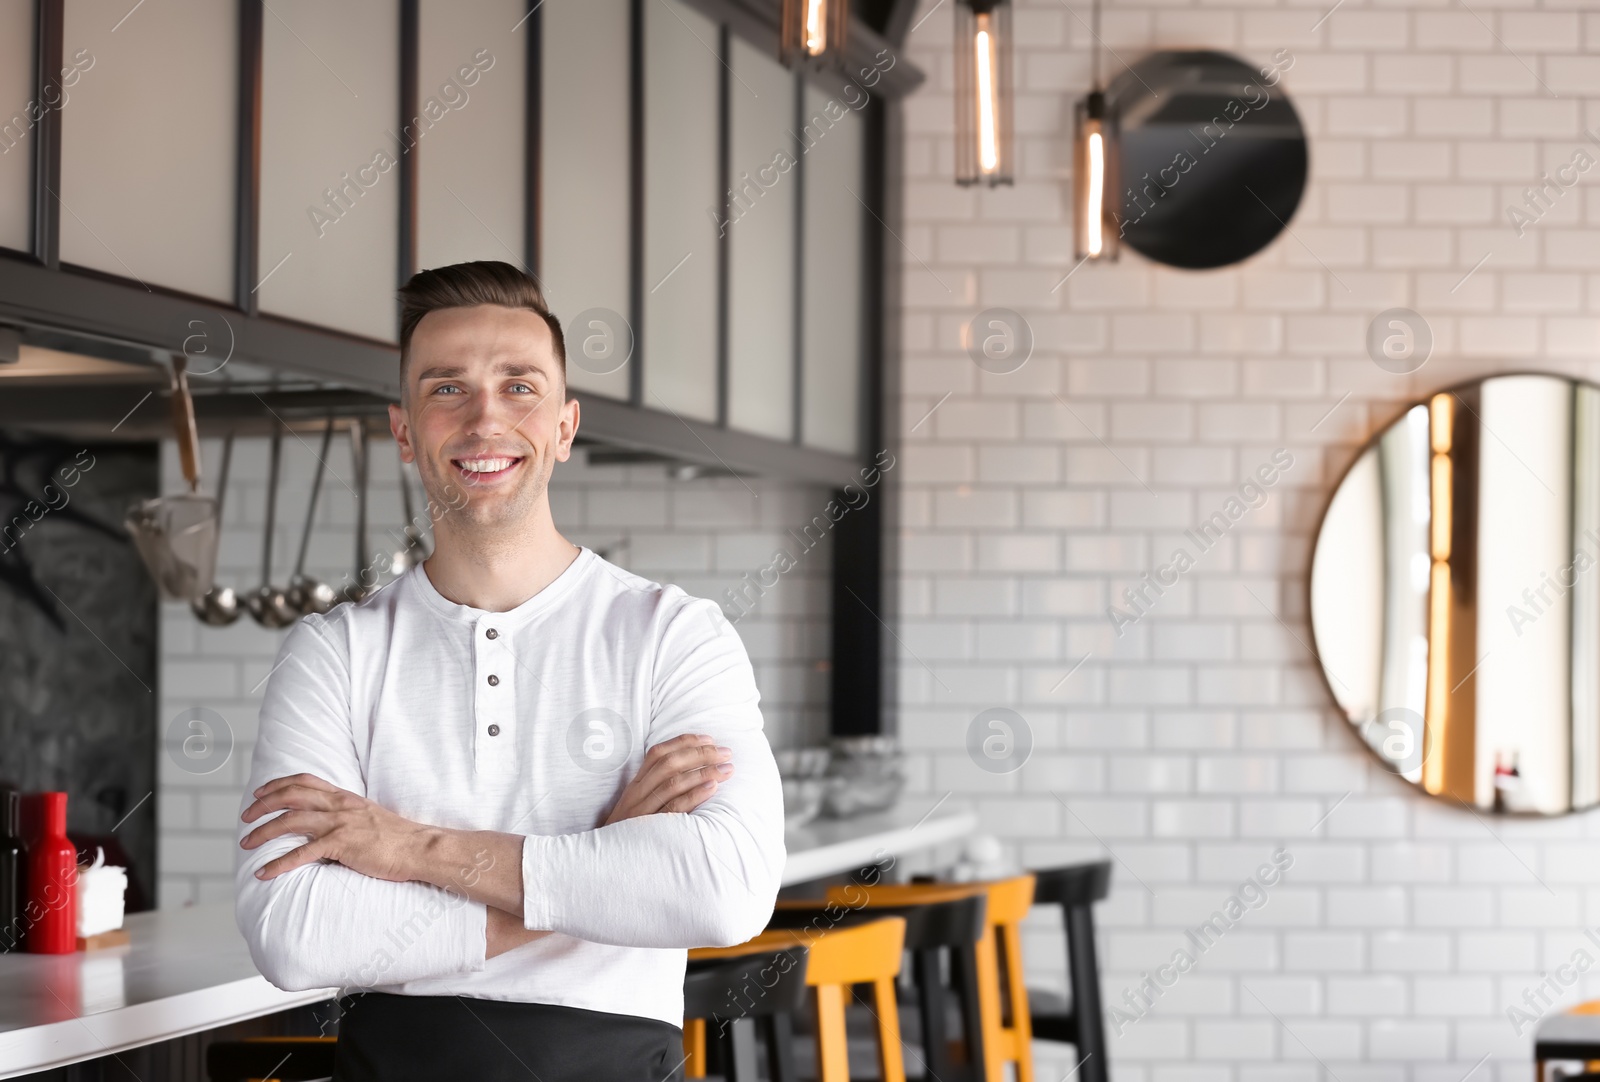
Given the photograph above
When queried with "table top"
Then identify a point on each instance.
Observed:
(185, 970)
(188, 969)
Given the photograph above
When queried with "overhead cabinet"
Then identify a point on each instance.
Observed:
(585, 254)
(148, 109)
(330, 164)
(696, 213)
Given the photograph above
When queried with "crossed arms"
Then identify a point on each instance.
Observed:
(339, 890)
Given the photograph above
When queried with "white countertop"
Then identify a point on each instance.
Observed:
(830, 846)
(184, 971)
(188, 969)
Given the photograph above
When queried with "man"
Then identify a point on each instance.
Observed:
(507, 779)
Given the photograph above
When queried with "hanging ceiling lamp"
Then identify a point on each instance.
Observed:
(1094, 229)
(812, 28)
(983, 92)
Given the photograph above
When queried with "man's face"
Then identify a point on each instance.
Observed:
(485, 416)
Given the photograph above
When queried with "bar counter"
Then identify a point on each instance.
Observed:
(188, 969)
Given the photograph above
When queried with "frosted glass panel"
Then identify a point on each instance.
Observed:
(584, 218)
(761, 240)
(330, 178)
(148, 150)
(471, 131)
(16, 125)
(830, 401)
(680, 233)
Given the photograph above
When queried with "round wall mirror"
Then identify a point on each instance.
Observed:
(1210, 157)
(1455, 595)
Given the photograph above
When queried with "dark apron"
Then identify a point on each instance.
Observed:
(390, 1038)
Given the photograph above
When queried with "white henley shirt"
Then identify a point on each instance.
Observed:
(531, 722)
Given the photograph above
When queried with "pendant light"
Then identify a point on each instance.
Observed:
(983, 92)
(1094, 229)
(812, 28)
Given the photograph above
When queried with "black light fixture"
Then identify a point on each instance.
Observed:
(812, 28)
(1094, 172)
(983, 92)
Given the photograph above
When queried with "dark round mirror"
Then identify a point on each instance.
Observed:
(1210, 157)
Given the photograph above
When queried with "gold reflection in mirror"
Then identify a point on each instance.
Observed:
(1441, 418)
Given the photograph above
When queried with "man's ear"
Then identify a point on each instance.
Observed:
(568, 429)
(400, 427)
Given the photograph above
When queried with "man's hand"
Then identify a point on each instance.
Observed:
(678, 775)
(345, 828)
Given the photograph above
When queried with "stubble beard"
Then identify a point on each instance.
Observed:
(478, 521)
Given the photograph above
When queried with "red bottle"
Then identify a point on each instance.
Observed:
(51, 914)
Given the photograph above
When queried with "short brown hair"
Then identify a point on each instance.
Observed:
(464, 285)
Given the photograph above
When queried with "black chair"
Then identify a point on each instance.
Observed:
(935, 931)
(1078, 1020)
(290, 1059)
(734, 997)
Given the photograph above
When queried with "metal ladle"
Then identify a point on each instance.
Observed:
(219, 606)
(308, 594)
(268, 604)
(359, 589)
(416, 548)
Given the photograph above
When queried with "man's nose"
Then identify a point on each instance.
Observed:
(489, 415)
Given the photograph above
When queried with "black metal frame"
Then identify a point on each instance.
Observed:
(49, 26)
(865, 571)
(724, 188)
(410, 100)
(797, 377)
(636, 199)
(534, 133)
(247, 206)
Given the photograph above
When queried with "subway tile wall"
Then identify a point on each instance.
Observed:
(1200, 740)
(703, 534)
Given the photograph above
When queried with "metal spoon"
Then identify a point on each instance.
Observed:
(219, 606)
(359, 588)
(308, 594)
(416, 548)
(268, 604)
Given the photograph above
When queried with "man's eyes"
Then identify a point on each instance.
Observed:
(528, 387)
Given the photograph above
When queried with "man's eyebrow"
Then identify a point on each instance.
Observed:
(508, 368)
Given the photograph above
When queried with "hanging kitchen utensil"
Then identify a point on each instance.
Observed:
(416, 548)
(268, 604)
(308, 594)
(360, 587)
(177, 535)
(219, 606)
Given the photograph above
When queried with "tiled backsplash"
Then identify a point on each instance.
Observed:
(703, 534)
(1201, 739)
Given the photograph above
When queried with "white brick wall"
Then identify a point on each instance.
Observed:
(1202, 739)
(701, 534)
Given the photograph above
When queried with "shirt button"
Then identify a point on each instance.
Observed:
(491, 634)
(494, 730)
(493, 680)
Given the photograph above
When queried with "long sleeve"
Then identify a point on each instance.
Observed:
(323, 925)
(705, 878)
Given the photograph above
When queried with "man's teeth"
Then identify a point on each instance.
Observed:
(486, 465)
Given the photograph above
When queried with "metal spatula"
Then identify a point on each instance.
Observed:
(177, 535)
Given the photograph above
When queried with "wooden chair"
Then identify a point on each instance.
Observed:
(836, 960)
(951, 927)
(1003, 995)
(1572, 1035)
(725, 1001)
(1077, 1021)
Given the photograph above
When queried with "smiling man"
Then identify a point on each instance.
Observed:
(500, 794)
